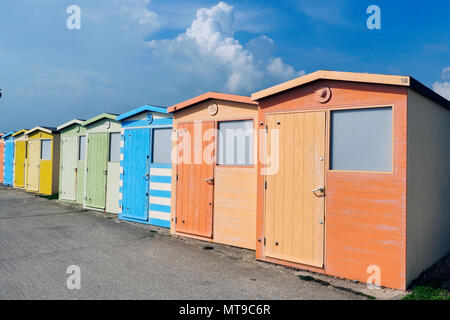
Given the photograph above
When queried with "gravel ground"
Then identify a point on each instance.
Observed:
(40, 238)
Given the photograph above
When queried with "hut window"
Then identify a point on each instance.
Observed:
(82, 148)
(361, 139)
(46, 149)
(162, 146)
(235, 145)
(114, 147)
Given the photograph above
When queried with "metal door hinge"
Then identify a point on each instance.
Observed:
(175, 219)
(265, 184)
(177, 176)
(264, 240)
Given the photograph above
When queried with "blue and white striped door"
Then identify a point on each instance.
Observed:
(136, 174)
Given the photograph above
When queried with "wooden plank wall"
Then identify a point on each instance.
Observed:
(365, 212)
(234, 217)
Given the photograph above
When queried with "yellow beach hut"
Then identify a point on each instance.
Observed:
(43, 160)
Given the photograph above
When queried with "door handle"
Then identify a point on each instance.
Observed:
(209, 180)
(105, 172)
(321, 189)
(146, 176)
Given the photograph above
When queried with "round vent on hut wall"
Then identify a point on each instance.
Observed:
(213, 109)
(149, 118)
(108, 124)
(323, 94)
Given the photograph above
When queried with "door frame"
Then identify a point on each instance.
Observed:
(215, 122)
(326, 166)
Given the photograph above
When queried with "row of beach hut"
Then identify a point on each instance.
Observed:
(339, 173)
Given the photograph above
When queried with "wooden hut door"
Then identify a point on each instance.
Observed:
(33, 164)
(136, 174)
(69, 161)
(294, 191)
(19, 165)
(2, 156)
(97, 170)
(195, 178)
(9, 163)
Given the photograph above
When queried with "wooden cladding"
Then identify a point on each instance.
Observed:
(195, 184)
(19, 165)
(34, 155)
(294, 214)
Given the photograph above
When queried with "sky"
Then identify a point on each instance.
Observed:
(161, 52)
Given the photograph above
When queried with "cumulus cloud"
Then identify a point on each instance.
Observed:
(443, 88)
(139, 12)
(280, 70)
(446, 73)
(208, 47)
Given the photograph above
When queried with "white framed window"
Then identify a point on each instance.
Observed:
(46, 149)
(361, 139)
(162, 146)
(114, 147)
(81, 147)
(235, 144)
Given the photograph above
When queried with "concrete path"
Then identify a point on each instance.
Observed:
(40, 238)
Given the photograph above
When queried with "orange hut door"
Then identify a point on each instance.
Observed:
(195, 178)
(295, 189)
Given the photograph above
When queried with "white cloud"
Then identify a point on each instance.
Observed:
(279, 70)
(208, 49)
(325, 10)
(139, 12)
(443, 88)
(446, 73)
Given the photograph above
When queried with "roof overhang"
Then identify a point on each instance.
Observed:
(332, 75)
(144, 108)
(6, 135)
(43, 129)
(70, 123)
(18, 133)
(208, 96)
(404, 81)
(110, 116)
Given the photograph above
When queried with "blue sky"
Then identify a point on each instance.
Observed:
(130, 53)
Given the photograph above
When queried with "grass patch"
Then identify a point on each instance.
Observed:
(428, 292)
(433, 283)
